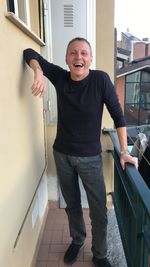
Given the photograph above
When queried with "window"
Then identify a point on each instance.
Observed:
(137, 98)
(31, 13)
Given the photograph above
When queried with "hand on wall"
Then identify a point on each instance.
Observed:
(39, 84)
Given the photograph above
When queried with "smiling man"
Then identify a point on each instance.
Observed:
(78, 59)
(81, 95)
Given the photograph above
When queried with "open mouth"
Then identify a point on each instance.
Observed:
(78, 65)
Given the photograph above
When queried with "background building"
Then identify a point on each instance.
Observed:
(133, 78)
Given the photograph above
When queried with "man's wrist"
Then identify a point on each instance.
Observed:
(38, 68)
(124, 152)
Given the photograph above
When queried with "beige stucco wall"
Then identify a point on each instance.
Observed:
(22, 157)
(105, 61)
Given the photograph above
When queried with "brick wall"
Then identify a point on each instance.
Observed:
(139, 50)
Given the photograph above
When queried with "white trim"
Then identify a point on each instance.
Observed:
(27, 13)
(49, 100)
(91, 27)
(16, 7)
(122, 56)
(21, 25)
(48, 30)
(131, 54)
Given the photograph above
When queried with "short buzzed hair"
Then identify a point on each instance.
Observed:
(80, 39)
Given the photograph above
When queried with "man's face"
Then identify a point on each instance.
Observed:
(79, 59)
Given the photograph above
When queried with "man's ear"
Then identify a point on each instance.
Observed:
(91, 59)
(66, 60)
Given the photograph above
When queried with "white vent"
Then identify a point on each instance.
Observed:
(68, 16)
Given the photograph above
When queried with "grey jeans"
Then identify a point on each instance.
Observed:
(90, 170)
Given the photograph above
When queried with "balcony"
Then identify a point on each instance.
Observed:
(128, 224)
(131, 198)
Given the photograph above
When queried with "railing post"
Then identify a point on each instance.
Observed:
(139, 249)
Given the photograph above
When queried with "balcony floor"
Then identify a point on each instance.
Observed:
(56, 240)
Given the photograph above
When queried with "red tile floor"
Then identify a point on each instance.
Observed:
(56, 240)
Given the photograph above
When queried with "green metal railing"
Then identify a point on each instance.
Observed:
(131, 199)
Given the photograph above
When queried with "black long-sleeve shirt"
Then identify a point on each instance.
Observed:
(80, 107)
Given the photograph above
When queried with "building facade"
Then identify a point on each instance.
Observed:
(133, 88)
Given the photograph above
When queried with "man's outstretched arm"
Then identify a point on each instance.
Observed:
(125, 157)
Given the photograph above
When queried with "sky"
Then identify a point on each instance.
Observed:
(133, 15)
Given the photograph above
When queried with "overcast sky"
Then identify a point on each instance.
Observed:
(134, 15)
